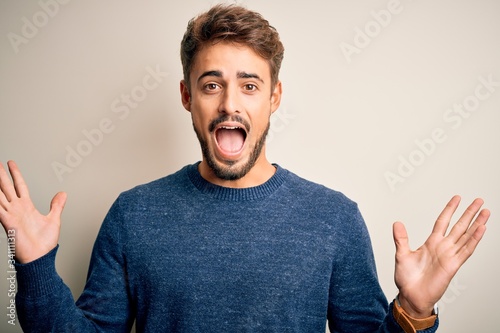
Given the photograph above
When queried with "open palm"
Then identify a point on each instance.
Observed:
(36, 234)
(423, 275)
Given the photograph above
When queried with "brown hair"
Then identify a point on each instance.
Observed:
(235, 24)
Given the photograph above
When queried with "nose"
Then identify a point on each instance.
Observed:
(229, 103)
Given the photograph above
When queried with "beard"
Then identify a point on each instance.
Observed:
(229, 170)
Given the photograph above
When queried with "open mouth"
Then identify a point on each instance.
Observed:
(230, 138)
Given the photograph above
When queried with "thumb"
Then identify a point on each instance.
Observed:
(57, 204)
(400, 238)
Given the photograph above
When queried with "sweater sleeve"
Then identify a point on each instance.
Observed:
(357, 302)
(45, 304)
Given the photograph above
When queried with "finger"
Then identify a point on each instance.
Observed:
(472, 232)
(465, 220)
(443, 220)
(5, 183)
(400, 238)
(19, 183)
(470, 246)
(3, 199)
(57, 205)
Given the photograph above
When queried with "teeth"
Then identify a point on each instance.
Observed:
(230, 127)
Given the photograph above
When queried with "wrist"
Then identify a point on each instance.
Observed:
(411, 324)
(411, 310)
(32, 255)
(39, 277)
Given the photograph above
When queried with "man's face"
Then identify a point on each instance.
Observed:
(231, 102)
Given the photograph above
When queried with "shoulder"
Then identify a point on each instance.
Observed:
(325, 209)
(157, 191)
(320, 195)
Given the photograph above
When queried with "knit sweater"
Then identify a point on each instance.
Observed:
(183, 255)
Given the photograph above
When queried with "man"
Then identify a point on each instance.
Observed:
(232, 243)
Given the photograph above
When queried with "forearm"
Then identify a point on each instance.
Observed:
(44, 303)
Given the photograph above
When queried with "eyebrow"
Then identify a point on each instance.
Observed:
(245, 75)
(239, 75)
(210, 73)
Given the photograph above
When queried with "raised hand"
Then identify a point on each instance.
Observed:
(423, 276)
(36, 234)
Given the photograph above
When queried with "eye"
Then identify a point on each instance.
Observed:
(250, 87)
(211, 86)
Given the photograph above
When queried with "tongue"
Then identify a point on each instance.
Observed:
(230, 140)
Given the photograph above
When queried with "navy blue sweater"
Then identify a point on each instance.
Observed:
(183, 255)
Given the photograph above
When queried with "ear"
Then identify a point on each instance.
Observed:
(276, 96)
(185, 96)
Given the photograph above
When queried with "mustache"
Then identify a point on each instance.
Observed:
(234, 118)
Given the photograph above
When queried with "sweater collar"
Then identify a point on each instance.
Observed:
(236, 194)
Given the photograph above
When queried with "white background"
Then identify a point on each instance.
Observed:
(346, 121)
